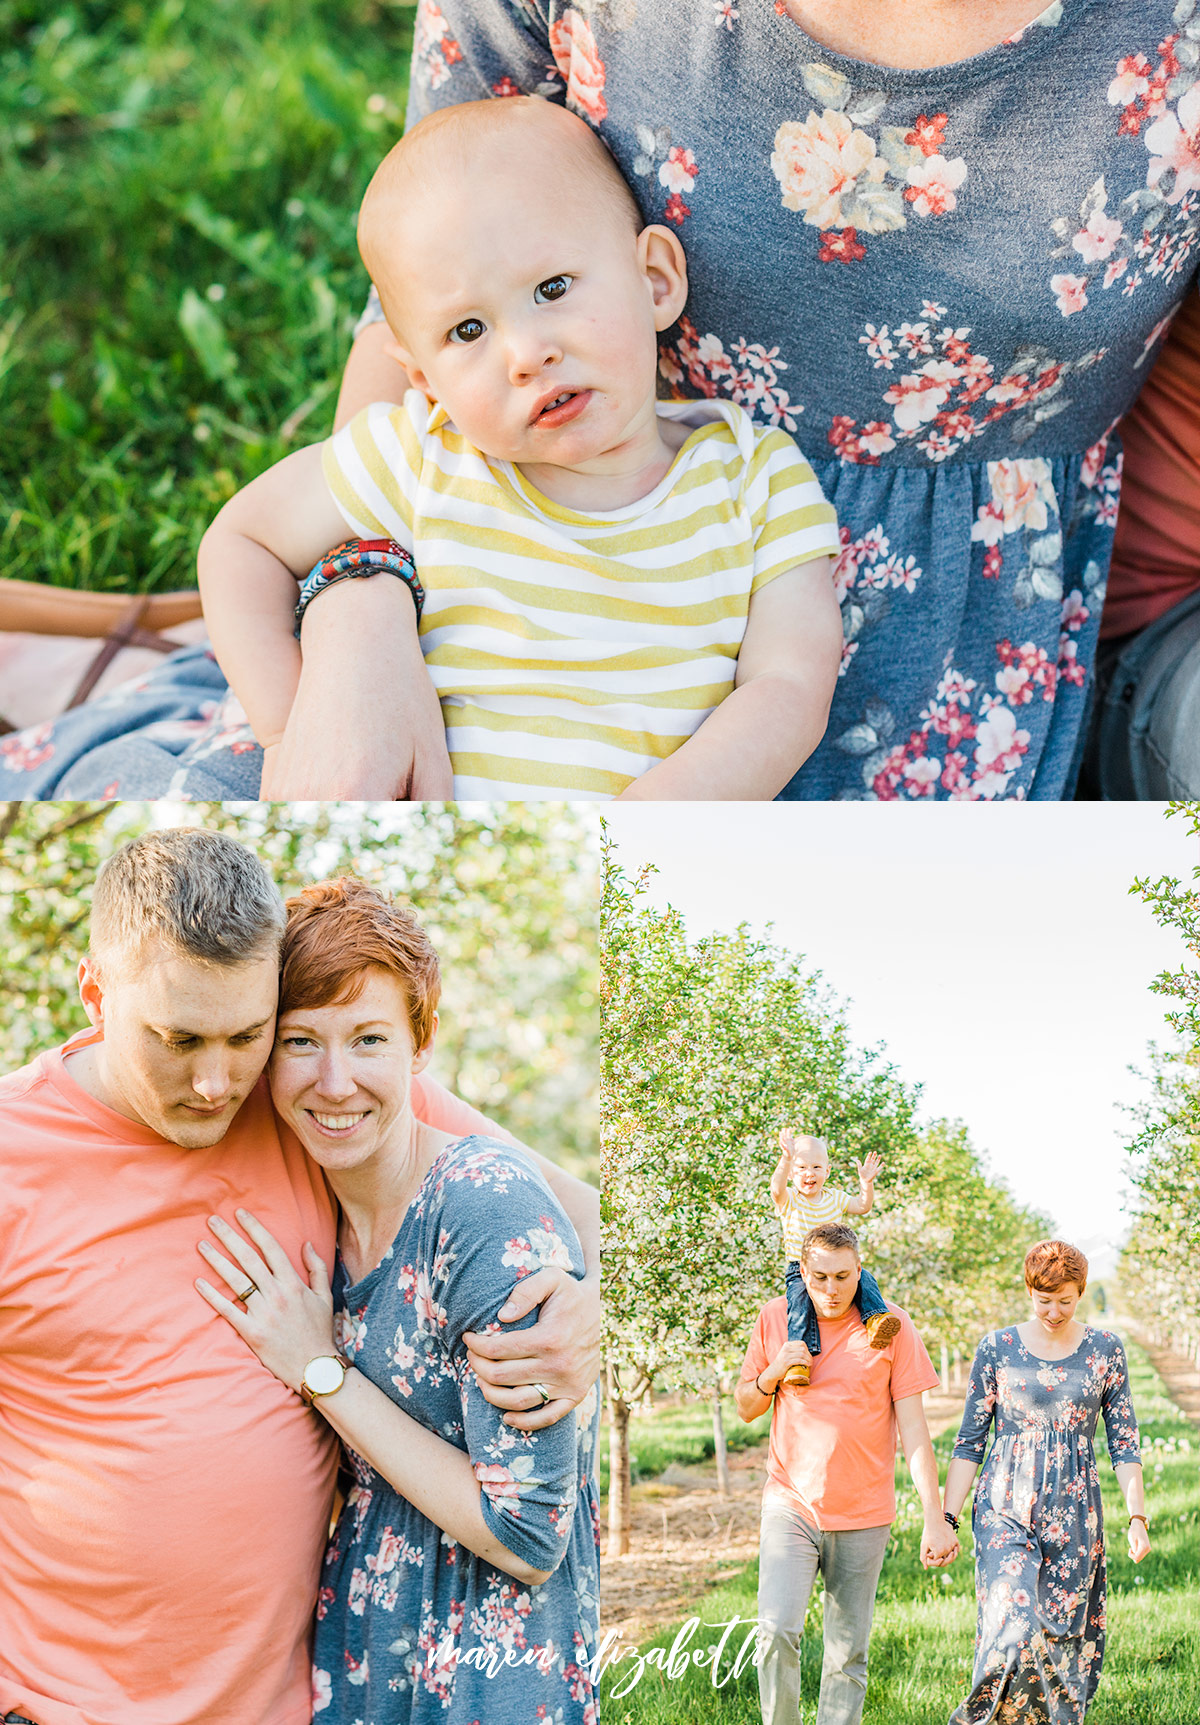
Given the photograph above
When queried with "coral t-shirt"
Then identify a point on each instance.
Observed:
(833, 1445)
(164, 1501)
(1156, 553)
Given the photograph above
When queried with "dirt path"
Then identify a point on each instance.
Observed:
(1177, 1372)
(686, 1537)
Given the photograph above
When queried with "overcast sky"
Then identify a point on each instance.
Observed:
(995, 950)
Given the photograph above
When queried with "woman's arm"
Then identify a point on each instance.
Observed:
(287, 1323)
(761, 734)
(1133, 1490)
(960, 1476)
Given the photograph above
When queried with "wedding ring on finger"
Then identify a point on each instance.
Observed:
(543, 1392)
(246, 1293)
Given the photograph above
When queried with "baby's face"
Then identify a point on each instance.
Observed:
(810, 1167)
(532, 319)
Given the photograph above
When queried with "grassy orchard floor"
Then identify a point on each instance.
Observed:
(178, 187)
(921, 1646)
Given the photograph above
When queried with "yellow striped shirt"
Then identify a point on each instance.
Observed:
(798, 1214)
(571, 652)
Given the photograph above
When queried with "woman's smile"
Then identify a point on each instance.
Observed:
(336, 1125)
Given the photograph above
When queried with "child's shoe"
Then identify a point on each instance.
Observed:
(797, 1374)
(882, 1328)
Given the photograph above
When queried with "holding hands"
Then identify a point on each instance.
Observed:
(939, 1543)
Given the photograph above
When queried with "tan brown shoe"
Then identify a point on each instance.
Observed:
(883, 1328)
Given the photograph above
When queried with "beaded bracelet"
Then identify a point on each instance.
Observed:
(359, 558)
(952, 1519)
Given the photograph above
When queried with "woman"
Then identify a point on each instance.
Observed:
(937, 240)
(462, 1577)
(1039, 1532)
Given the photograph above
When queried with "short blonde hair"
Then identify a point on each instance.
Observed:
(203, 894)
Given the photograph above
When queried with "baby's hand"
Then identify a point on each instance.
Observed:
(868, 1168)
(787, 1141)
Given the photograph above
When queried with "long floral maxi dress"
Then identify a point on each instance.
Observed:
(949, 283)
(1039, 1532)
(411, 1626)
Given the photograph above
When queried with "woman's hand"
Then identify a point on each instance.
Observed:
(1139, 1541)
(287, 1321)
(939, 1543)
(561, 1352)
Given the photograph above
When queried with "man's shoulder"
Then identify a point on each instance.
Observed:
(26, 1080)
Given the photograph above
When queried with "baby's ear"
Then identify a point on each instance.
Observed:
(664, 266)
(397, 351)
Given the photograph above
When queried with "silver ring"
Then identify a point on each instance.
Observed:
(543, 1392)
(243, 1297)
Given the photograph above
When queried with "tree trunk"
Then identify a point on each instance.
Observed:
(721, 1450)
(619, 1482)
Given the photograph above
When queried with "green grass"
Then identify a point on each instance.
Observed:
(681, 1434)
(178, 187)
(921, 1646)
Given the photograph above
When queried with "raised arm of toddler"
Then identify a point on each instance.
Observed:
(779, 1179)
(867, 1170)
(358, 716)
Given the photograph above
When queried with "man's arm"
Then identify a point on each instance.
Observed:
(938, 1543)
(753, 1396)
(763, 732)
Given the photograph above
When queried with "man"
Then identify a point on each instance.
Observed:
(829, 1499)
(163, 1500)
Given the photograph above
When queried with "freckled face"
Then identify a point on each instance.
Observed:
(1054, 1311)
(185, 1041)
(341, 1075)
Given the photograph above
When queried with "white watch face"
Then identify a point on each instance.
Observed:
(324, 1375)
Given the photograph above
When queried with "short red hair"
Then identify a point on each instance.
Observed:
(1051, 1263)
(340, 929)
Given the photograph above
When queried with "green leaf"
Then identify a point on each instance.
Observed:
(206, 337)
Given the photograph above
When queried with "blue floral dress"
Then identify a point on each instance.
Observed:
(1039, 1530)
(949, 283)
(411, 1626)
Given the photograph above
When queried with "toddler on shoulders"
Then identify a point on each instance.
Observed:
(805, 1203)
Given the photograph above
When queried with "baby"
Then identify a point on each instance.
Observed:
(802, 1206)
(621, 596)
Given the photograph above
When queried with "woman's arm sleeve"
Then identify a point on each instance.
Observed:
(1116, 1404)
(981, 1405)
(497, 1223)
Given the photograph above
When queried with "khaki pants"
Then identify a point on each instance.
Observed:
(791, 1551)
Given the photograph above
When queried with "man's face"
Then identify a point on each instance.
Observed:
(831, 1277)
(184, 1041)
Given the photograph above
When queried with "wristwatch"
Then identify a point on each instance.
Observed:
(323, 1376)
